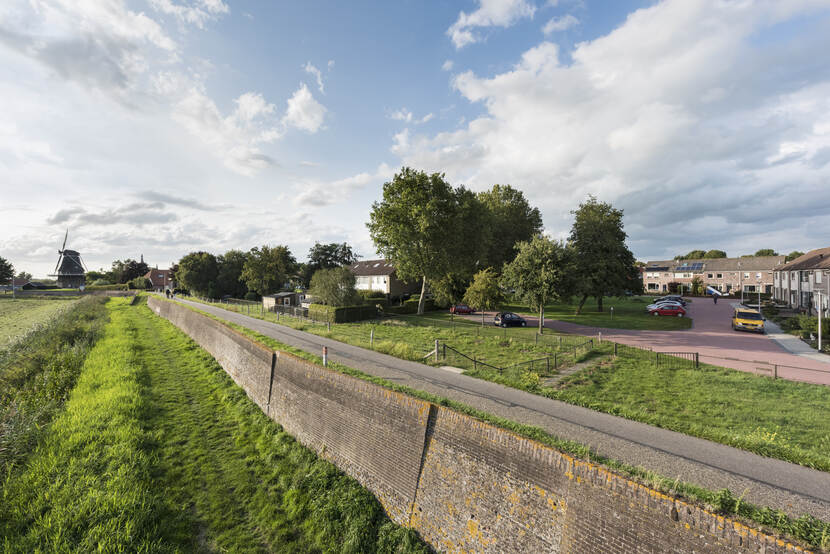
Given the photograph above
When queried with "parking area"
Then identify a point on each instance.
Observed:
(713, 338)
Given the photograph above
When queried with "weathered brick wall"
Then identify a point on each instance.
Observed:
(464, 485)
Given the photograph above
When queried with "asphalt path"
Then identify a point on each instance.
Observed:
(763, 481)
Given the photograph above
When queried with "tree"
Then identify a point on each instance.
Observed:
(793, 255)
(693, 255)
(714, 254)
(25, 275)
(129, 269)
(766, 252)
(98, 276)
(334, 287)
(140, 283)
(326, 256)
(697, 285)
(484, 293)
(540, 273)
(510, 220)
(6, 271)
(416, 226)
(604, 266)
(229, 272)
(268, 268)
(197, 273)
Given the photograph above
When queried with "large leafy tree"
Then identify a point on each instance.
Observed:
(416, 226)
(129, 269)
(484, 292)
(6, 270)
(540, 273)
(510, 220)
(793, 255)
(229, 272)
(711, 254)
(326, 256)
(197, 272)
(268, 268)
(604, 266)
(334, 287)
(693, 255)
(24, 275)
(766, 252)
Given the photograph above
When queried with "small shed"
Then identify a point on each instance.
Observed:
(280, 299)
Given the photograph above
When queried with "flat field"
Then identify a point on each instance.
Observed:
(18, 316)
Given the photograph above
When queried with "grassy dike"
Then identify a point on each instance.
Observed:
(158, 450)
(808, 529)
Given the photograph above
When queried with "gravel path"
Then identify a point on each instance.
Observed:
(768, 482)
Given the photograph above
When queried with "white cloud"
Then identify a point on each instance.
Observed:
(559, 24)
(323, 193)
(701, 110)
(490, 13)
(310, 69)
(427, 117)
(195, 13)
(406, 116)
(447, 65)
(304, 112)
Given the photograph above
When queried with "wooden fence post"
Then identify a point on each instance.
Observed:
(436, 350)
(697, 360)
(325, 356)
(775, 371)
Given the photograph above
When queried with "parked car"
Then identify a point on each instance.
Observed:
(461, 309)
(748, 320)
(669, 309)
(509, 319)
(675, 297)
(663, 303)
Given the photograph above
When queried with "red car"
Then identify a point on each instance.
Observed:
(669, 309)
(461, 309)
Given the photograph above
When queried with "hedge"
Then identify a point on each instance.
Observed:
(341, 314)
(411, 306)
(122, 286)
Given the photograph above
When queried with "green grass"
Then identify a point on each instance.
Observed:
(806, 528)
(629, 313)
(159, 451)
(38, 372)
(18, 316)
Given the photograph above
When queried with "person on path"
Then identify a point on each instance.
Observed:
(715, 298)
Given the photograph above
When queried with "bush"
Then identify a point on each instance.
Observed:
(140, 283)
(411, 306)
(99, 283)
(341, 314)
(251, 295)
(374, 297)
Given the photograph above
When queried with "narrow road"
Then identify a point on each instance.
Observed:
(767, 482)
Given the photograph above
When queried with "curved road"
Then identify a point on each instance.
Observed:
(767, 482)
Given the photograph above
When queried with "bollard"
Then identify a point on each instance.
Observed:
(599, 337)
(372, 339)
(328, 325)
(775, 371)
(325, 356)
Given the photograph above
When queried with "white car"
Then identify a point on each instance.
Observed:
(661, 304)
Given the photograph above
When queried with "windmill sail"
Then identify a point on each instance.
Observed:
(70, 269)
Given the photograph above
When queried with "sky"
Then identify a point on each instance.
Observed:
(161, 127)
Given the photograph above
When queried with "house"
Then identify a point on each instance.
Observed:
(752, 274)
(800, 281)
(379, 275)
(161, 279)
(280, 299)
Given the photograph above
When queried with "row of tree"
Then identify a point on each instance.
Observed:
(464, 245)
(261, 270)
(708, 254)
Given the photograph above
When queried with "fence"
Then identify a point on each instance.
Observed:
(677, 360)
(537, 365)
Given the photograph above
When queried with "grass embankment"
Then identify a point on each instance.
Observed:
(629, 313)
(806, 528)
(19, 316)
(158, 450)
(38, 372)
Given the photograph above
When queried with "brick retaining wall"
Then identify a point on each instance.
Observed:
(462, 484)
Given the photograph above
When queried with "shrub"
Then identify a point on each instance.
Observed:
(121, 286)
(251, 295)
(341, 314)
(140, 283)
(411, 306)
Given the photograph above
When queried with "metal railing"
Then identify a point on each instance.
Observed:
(677, 360)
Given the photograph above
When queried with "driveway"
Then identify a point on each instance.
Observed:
(713, 338)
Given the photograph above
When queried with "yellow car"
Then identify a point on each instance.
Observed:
(748, 320)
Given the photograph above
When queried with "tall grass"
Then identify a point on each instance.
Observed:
(37, 373)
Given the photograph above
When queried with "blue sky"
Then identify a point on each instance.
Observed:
(158, 127)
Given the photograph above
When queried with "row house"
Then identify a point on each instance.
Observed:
(728, 275)
(801, 282)
(380, 275)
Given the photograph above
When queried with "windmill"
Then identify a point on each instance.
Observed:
(70, 269)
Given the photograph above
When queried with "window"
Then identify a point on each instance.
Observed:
(746, 275)
(709, 275)
(757, 275)
(749, 288)
(818, 276)
(720, 275)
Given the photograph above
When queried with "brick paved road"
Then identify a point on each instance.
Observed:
(768, 482)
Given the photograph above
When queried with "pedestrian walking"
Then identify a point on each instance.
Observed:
(715, 298)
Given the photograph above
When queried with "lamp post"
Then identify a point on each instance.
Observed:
(819, 313)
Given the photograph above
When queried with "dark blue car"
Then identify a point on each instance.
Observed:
(509, 319)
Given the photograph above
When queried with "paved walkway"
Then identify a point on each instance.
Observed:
(713, 338)
(768, 482)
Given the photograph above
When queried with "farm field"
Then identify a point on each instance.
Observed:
(19, 315)
(167, 454)
(629, 313)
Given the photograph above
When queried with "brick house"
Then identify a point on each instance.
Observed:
(797, 282)
(161, 279)
(380, 275)
(728, 275)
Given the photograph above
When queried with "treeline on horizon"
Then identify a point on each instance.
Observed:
(710, 254)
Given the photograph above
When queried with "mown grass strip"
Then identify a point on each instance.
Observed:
(806, 528)
(159, 451)
(37, 373)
